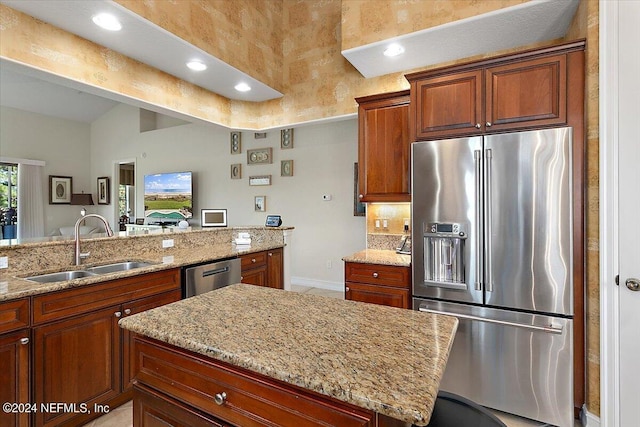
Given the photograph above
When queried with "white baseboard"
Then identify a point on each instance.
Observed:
(315, 283)
(588, 419)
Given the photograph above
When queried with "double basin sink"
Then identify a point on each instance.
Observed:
(87, 272)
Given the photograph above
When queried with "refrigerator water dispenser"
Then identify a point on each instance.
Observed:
(444, 254)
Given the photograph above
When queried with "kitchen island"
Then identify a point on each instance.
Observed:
(256, 356)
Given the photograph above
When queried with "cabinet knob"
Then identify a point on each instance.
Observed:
(375, 275)
(24, 340)
(220, 398)
(488, 124)
(360, 196)
(270, 254)
(478, 126)
(118, 314)
(253, 260)
(346, 289)
(127, 311)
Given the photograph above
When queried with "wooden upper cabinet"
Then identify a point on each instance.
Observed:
(526, 94)
(448, 105)
(384, 148)
(525, 90)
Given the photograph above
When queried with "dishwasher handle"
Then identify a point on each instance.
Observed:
(213, 272)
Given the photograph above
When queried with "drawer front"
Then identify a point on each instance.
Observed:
(374, 294)
(254, 260)
(378, 274)
(14, 315)
(250, 399)
(93, 297)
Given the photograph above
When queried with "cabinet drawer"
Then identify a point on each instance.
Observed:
(374, 294)
(378, 274)
(89, 298)
(250, 399)
(253, 260)
(14, 315)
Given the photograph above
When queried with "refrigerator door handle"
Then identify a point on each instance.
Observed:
(487, 220)
(547, 329)
(477, 156)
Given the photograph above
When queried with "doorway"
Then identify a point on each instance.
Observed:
(126, 193)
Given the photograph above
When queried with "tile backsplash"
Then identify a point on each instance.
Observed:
(385, 224)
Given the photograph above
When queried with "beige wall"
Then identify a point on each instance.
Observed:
(317, 81)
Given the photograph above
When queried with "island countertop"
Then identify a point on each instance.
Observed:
(380, 358)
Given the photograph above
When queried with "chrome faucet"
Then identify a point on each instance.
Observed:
(78, 255)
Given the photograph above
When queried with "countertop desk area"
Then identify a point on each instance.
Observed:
(380, 359)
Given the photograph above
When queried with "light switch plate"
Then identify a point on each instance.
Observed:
(167, 243)
(4, 262)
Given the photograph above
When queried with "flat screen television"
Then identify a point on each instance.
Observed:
(168, 197)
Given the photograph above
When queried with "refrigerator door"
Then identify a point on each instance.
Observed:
(514, 362)
(446, 215)
(528, 221)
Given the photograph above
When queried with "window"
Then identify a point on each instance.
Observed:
(8, 196)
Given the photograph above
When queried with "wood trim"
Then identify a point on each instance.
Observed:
(14, 315)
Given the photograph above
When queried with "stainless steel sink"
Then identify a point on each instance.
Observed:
(118, 266)
(60, 276)
(91, 271)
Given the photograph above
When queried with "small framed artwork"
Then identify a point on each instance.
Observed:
(259, 156)
(103, 190)
(213, 217)
(236, 143)
(286, 138)
(60, 189)
(260, 180)
(286, 168)
(236, 171)
(260, 203)
(139, 221)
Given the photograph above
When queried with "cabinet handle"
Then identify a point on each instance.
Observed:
(346, 289)
(118, 314)
(220, 398)
(478, 126)
(24, 341)
(127, 311)
(375, 275)
(488, 124)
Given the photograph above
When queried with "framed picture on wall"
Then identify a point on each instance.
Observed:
(260, 203)
(103, 190)
(60, 189)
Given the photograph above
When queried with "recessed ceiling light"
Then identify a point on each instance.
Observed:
(393, 50)
(107, 21)
(242, 87)
(196, 65)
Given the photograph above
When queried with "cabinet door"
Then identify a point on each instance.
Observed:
(384, 148)
(128, 364)
(275, 272)
(14, 376)
(527, 94)
(383, 295)
(449, 105)
(76, 360)
(255, 276)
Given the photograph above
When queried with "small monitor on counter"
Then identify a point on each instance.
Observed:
(273, 221)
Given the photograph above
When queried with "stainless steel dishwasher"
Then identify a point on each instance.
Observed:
(207, 277)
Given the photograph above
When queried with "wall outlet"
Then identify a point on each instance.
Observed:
(377, 223)
(167, 243)
(385, 223)
(407, 224)
(4, 262)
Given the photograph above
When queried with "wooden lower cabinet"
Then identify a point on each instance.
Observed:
(263, 268)
(176, 385)
(15, 351)
(378, 284)
(83, 359)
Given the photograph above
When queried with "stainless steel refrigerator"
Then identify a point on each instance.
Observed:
(492, 245)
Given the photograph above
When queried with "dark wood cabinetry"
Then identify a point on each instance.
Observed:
(263, 268)
(15, 351)
(520, 91)
(81, 356)
(384, 148)
(176, 387)
(378, 284)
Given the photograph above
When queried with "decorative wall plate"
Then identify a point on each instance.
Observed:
(236, 143)
(286, 138)
(259, 156)
(286, 168)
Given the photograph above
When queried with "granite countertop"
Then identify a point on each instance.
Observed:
(379, 256)
(380, 358)
(15, 286)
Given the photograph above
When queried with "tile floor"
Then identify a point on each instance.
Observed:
(122, 416)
